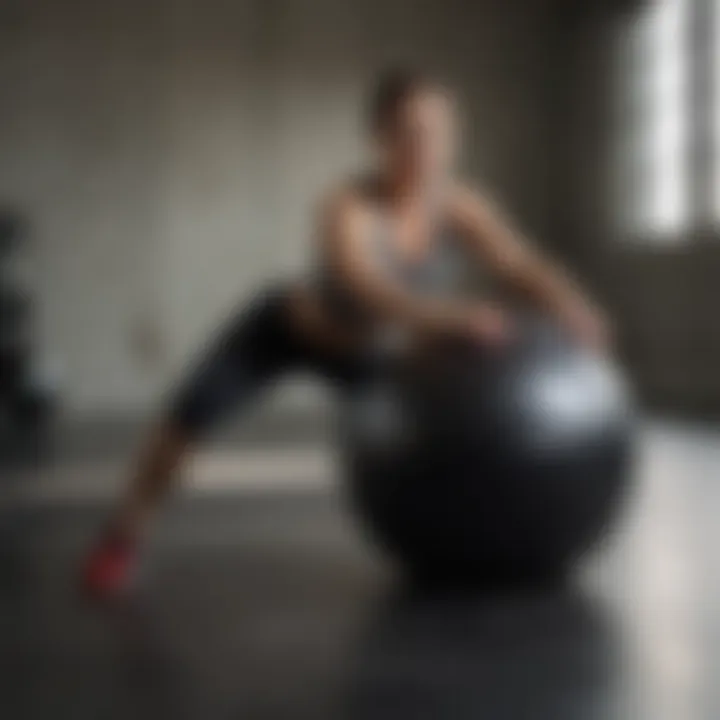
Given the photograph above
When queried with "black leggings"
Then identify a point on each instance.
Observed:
(257, 347)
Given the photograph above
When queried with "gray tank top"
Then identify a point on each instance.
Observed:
(440, 272)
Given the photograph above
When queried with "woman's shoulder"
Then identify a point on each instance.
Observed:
(352, 194)
(463, 195)
(461, 189)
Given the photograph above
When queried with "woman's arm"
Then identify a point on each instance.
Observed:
(344, 233)
(512, 257)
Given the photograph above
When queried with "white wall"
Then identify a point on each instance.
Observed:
(168, 153)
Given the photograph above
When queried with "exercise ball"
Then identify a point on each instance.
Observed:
(492, 462)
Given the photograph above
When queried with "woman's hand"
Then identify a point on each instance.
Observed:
(485, 323)
(589, 326)
(490, 324)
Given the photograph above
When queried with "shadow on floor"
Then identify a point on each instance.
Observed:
(539, 655)
(550, 654)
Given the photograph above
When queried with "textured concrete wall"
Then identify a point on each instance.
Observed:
(167, 153)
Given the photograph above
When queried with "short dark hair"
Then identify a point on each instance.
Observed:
(392, 88)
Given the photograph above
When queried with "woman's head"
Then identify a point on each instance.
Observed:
(412, 119)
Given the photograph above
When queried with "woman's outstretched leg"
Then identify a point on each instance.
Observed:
(110, 567)
(155, 474)
(254, 350)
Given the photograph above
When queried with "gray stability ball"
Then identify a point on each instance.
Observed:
(481, 463)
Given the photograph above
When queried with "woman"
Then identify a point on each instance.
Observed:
(384, 249)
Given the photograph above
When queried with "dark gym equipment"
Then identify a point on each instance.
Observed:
(11, 231)
(25, 406)
(492, 463)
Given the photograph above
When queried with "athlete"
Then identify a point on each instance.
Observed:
(390, 247)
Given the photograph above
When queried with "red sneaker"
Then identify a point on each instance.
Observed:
(110, 568)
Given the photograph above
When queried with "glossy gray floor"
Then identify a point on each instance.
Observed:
(272, 606)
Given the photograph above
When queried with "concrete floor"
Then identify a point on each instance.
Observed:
(267, 603)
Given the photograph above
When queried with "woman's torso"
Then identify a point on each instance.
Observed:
(417, 249)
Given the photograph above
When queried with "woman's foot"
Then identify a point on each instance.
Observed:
(109, 570)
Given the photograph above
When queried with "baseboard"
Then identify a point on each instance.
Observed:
(110, 434)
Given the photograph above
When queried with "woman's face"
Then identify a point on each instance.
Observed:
(420, 141)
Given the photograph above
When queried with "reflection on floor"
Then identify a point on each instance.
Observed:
(271, 605)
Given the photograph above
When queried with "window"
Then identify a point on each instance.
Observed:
(668, 149)
(653, 148)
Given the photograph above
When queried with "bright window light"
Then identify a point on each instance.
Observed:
(653, 149)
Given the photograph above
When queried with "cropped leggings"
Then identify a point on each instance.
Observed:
(257, 347)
